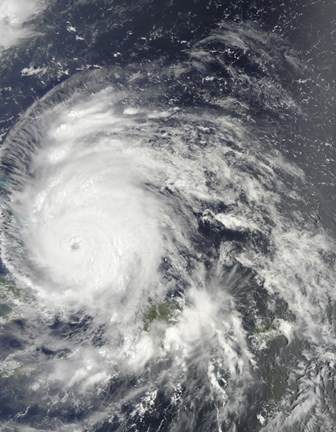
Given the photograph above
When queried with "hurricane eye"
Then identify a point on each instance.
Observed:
(75, 244)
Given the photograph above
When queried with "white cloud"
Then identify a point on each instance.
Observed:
(16, 20)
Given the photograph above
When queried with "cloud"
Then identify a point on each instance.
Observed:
(119, 202)
(16, 18)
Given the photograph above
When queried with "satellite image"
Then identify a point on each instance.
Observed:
(168, 216)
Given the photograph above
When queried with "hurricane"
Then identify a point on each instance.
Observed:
(161, 247)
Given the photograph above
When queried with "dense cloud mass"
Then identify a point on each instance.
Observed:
(15, 20)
